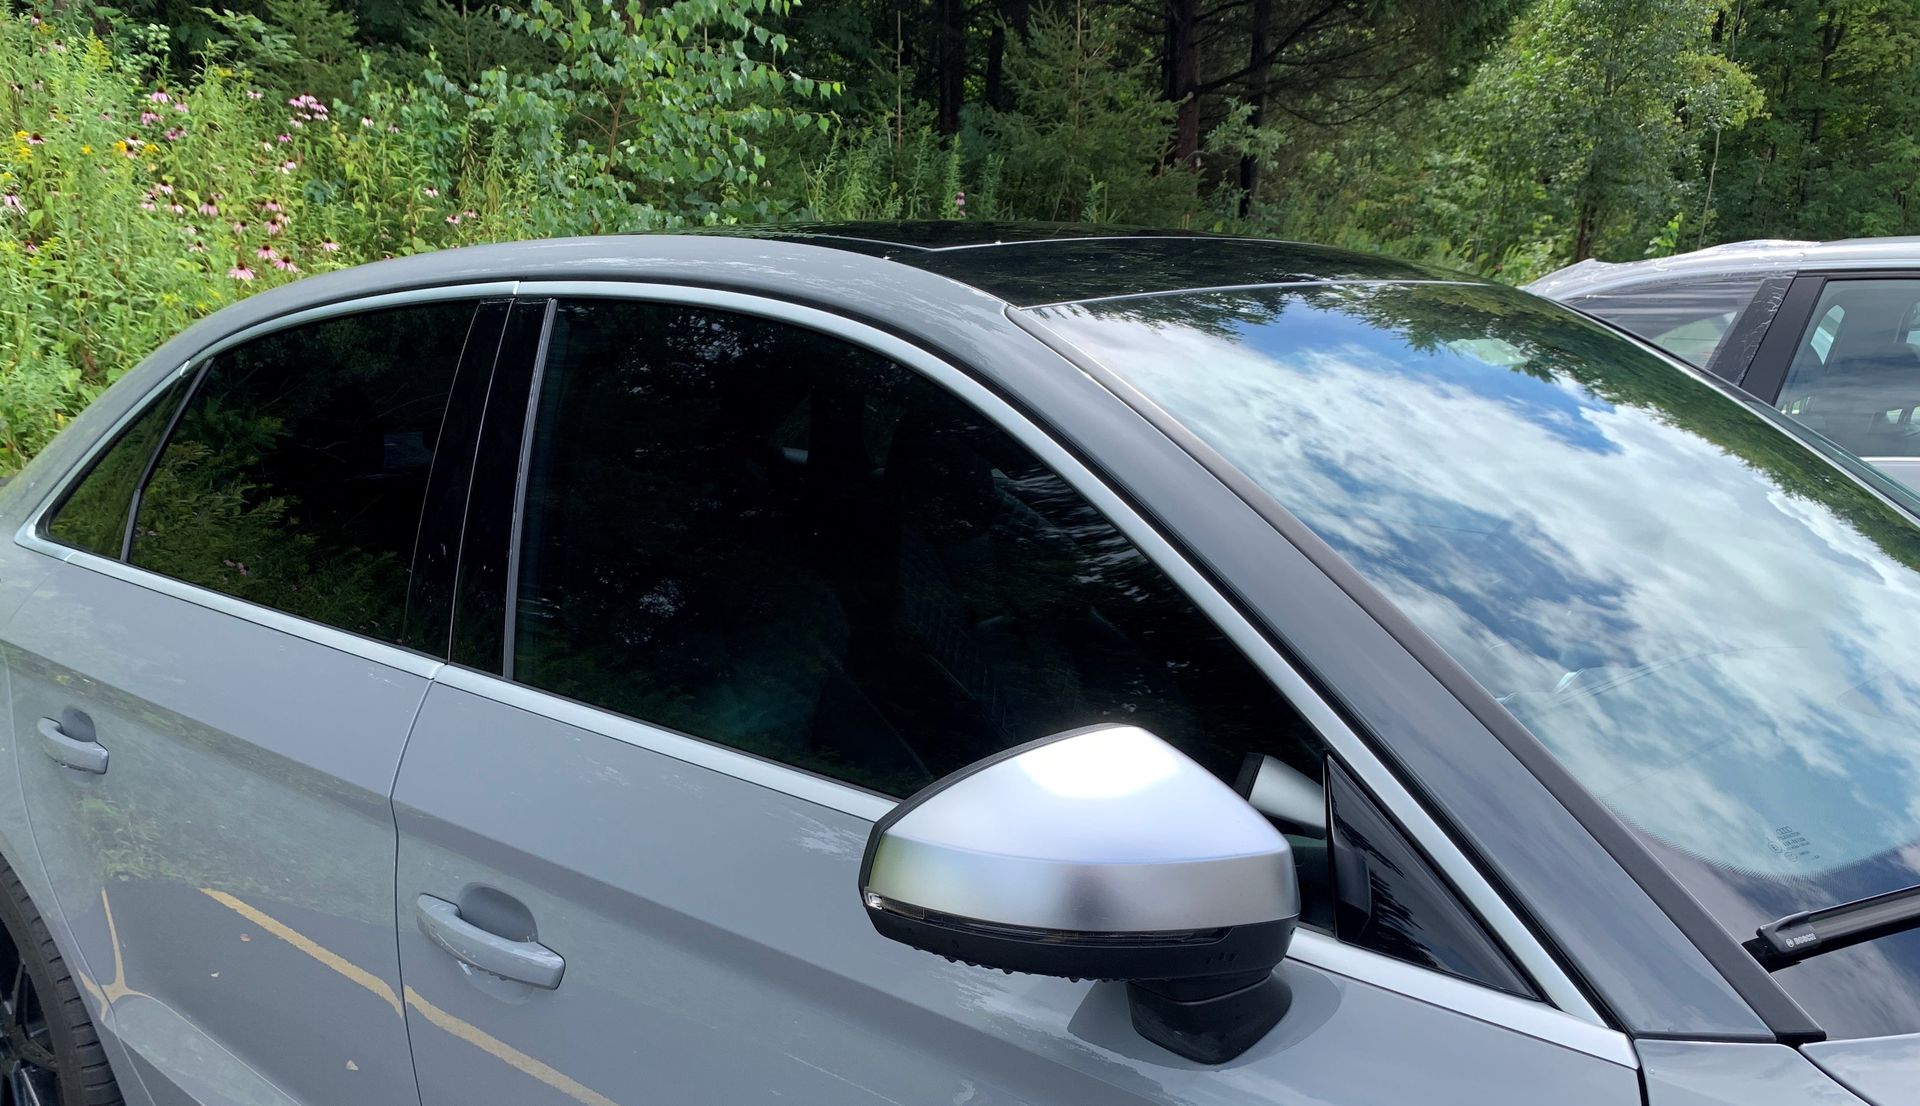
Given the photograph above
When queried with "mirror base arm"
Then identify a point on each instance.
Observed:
(1208, 1021)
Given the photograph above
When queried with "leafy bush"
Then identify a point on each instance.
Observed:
(132, 202)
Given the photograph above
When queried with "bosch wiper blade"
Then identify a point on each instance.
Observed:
(1796, 937)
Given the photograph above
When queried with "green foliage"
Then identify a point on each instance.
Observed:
(1087, 136)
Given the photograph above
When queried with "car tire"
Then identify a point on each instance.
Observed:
(45, 1034)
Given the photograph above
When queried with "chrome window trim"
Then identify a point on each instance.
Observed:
(1559, 988)
(32, 536)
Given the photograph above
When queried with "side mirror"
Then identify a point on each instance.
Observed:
(1102, 853)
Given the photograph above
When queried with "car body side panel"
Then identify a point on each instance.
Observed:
(1696, 1073)
(716, 951)
(246, 791)
(1883, 1070)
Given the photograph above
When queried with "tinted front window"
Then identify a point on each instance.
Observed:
(1717, 631)
(766, 537)
(296, 474)
(94, 515)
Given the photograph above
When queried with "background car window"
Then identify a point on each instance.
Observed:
(93, 516)
(1687, 318)
(296, 474)
(768, 538)
(1855, 375)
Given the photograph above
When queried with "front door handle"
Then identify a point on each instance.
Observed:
(528, 962)
(77, 750)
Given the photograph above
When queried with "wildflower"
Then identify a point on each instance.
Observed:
(454, 220)
(298, 121)
(209, 210)
(265, 253)
(289, 166)
(269, 205)
(149, 148)
(239, 228)
(195, 247)
(175, 134)
(35, 140)
(180, 108)
(86, 149)
(164, 189)
(177, 209)
(275, 225)
(190, 230)
(147, 205)
(393, 128)
(365, 122)
(330, 246)
(430, 192)
(254, 94)
(12, 202)
(147, 117)
(240, 272)
(286, 138)
(32, 247)
(285, 265)
(159, 97)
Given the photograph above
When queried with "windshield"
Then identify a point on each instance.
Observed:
(1716, 630)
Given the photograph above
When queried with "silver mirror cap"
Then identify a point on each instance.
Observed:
(1107, 830)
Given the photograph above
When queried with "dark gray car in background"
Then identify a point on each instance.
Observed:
(949, 664)
(1828, 332)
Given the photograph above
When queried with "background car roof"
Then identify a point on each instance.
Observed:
(1759, 255)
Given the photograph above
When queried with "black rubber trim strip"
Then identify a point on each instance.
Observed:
(1768, 370)
(191, 378)
(1781, 1014)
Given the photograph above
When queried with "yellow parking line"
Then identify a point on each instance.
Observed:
(466, 1031)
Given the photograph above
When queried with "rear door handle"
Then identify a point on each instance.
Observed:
(81, 753)
(528, 962)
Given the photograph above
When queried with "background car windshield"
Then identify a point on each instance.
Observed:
(1717, 631)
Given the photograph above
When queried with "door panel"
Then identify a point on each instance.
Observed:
(716, 952)
(228, 878)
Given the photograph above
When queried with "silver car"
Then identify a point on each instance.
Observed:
(948, 664)
(1828, 332)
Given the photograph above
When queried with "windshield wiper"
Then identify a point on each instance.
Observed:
(1796, 937)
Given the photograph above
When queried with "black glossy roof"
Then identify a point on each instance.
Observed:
(1028, 264)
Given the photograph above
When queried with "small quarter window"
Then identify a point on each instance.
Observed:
(93, 516)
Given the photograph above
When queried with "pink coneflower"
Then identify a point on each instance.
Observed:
(289, 166)
(12, 202)
(269, 205)
(960, 200)
(35, 140)
(365, 122)
(240, 272)
(159, 97)
(254, 94)
(190, 230)
(297, 122)
(32, 247)
(148, 205)
(164, 189)
(285, 265)
(180, 107)
(330, 246)
(275, 225)
(209, 210)
(286, 138)
(239, 228)
(174, 134)
(195, 247)
(454, 219)
(177, 209)
(265, 253)
(430, 192)
(147, 117)
(393, 128)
